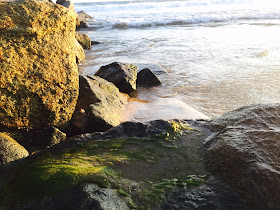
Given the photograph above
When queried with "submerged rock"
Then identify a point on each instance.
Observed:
(83, 40)
(10, 150)
(100, 106)
(147, 78)
(246, 153)
(39, 76)
(123, 75)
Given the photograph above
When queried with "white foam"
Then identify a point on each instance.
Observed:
(126, 14)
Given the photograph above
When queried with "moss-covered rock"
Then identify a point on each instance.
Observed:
(38, 71)
(10, 150)
(83, 40)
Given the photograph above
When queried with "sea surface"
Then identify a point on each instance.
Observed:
(219, 54)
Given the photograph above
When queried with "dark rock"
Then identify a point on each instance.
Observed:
(83, 40)
(214, 194)
(121, 74)
(147, 78)
(137, 129)
(47, 137)
(69, 5)
(246, 153)
(60, 1)
(10, 150)
(100, 106)
(83, 196)
(264, 116)
(94, 42)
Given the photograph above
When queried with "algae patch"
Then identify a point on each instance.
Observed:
(137, 168)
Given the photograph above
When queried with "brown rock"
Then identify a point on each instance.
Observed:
(39, 75)
(83, 40)
(100, 106)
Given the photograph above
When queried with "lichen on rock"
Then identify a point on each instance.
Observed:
(38, 71)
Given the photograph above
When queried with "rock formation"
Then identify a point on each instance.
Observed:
(245, 153)
(39, 76)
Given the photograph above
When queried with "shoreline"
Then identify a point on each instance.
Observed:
(96, 161)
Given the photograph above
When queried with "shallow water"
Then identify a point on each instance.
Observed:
(219, 56)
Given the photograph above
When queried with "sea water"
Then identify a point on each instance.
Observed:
(219, 54)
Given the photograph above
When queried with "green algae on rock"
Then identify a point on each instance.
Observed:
(136, 167)
(38, 71)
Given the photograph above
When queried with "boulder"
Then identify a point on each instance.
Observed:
(82, 196)
(83, 40)
(82, 17)
(103, 198)
(39, 75)
(47, 137)
(100, 105)
(245, 153)
(147, 78)
(10, 150)
(264, 116)
(69, 5)
(123, 75)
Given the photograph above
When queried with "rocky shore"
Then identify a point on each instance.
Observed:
(64, 145)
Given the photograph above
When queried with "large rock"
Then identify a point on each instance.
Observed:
(100, 105)
(245, 153)
(123, 75)
(83, 40)
(10, 150)
(39, 76)
(265, 116)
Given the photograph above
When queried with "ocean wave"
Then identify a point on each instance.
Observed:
(139, 14)
(267, 21)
